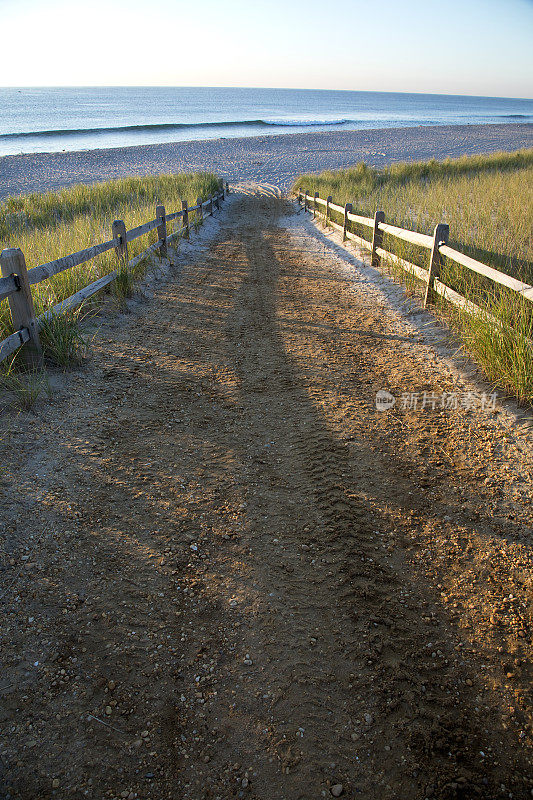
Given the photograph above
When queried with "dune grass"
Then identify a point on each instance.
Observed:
(488, 203)
(25, 384)
(62, 339)
(486, 200)
(48, 226)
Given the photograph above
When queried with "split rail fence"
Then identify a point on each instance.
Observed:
(437, 245)
(16, 280)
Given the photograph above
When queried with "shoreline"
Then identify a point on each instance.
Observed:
(276, 159)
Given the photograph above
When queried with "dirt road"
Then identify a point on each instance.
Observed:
(226, 574)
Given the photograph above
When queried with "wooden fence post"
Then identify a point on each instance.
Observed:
(162, 230)
(119, 232)
(200, 212)
(315, 204)
(377, 237)
(217, 202)
(440, 236)
(12, 262)
(306, 201)
(227, 187)
(185, 218)
(347, 210)
(328, 201)
(223, 192)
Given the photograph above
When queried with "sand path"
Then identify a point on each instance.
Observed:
(244, 581)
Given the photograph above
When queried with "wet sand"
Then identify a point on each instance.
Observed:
(276, 160)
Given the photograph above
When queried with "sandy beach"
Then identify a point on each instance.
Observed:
(276, 160)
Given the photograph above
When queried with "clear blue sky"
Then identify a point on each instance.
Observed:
(451, 46)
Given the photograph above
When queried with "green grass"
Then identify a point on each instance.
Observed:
(488, 203)
(62, 339)
(48, 226)
(486, 200)
(503, 349)
(25, 384)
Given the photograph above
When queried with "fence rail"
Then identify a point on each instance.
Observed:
(44, 271)
(436, 244)
(140, 230)
(16, 279)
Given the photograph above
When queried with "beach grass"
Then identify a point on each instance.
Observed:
(54, 224)
(488, 203)
(63, 342)
(26, 384)
(486, 200)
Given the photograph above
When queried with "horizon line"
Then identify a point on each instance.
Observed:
(255, 88)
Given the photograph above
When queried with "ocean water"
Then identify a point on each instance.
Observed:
(54, 119)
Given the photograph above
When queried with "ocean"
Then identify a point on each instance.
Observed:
(34, 120)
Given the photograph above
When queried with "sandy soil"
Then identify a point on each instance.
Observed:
(272, 159)
(227, 575)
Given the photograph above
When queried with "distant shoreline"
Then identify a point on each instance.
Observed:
(274, 159)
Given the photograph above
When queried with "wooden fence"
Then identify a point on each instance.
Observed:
(437, 245)
(16, 280)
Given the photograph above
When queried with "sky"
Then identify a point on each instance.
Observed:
(475, 47)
